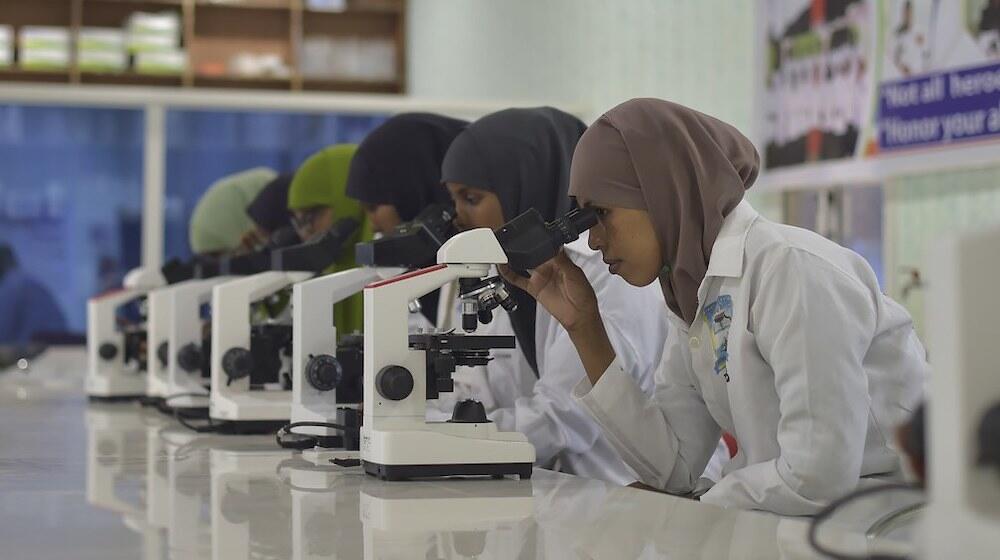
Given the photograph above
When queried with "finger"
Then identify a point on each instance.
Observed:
(512, 277)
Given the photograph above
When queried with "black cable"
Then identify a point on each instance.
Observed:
(182, 419)
(309, 440)
(839, 503)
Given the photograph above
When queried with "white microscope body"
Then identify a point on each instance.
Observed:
(109, 377)
(316, 374)
(963, 515)
(157, 334)
(232, 399)
(185, 376)
(397, 442)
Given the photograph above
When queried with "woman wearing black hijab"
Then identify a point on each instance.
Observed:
(269, 213)
(396, 173)
(499, 167)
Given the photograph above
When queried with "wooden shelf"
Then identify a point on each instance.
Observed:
(214, 32)
(242, 82)
(130, 78)
(325, 84)
(15, 74)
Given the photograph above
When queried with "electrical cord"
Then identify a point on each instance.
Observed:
(309, 441)
(838, 504)
(182, 419)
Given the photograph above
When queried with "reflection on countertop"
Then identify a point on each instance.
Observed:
(86, 480)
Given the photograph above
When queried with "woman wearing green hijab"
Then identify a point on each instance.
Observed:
(317, 201)
(220, 218)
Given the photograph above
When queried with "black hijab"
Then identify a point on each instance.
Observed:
(399, 163)
(522, 156)
(269, 209)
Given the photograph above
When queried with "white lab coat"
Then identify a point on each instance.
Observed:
(563, 434)
(796, 352)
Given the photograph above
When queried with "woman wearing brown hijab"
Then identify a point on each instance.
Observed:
(778, 336)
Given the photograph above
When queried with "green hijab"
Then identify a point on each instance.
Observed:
(220, 219)
(321, 181)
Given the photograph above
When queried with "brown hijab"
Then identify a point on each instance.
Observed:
(686, 169)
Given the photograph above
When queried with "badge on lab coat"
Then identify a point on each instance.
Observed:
(719, 315)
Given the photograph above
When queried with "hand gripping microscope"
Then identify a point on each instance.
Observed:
(117, 353)
(251, 360)
(327, 386)
(402, 371)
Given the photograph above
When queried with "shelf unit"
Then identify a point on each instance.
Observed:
(215, 30)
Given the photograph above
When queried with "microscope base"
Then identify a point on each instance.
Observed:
(406, 472)
(248, 427)
(114, 398)
(155, 402)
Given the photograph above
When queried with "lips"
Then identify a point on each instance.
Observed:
(613, 265)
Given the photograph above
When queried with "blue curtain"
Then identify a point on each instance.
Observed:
(71, 182)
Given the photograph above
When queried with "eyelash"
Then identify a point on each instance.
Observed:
(601, 212)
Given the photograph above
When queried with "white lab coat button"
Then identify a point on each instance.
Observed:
(694, 343)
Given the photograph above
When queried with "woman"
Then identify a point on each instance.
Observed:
(270, 217)
(317, 201)
(778, 336)
(396, 174)
(220, 218)
(499, 167)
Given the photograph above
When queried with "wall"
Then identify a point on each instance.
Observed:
(922, 209)
(590, 54)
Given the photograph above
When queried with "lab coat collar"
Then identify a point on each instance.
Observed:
(727, 252)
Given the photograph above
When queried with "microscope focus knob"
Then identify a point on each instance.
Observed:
(324, 372)
(469, 412)
(107, 351)
(162, 353)
(394, 383)
(189, 357)
(237, 363)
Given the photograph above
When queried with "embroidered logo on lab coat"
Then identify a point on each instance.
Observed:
(719, 315)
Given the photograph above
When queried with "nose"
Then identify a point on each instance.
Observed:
(596, 238)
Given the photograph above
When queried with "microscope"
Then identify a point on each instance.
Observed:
(117, 351)
(962, 519)
(252, 336)
(327, 386)
(402, 370)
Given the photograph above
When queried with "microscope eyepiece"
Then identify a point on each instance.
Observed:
(529, 241)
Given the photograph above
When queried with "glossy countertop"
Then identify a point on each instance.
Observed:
(108, 481)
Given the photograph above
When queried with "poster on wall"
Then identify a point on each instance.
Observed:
(846, 80)
(940, 79)
(818, 77)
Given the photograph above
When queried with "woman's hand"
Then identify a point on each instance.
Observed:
(564, 291)
(562, 288)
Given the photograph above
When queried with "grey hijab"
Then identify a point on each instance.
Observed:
(523, 156)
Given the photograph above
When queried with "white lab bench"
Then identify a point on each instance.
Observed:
(108, 481)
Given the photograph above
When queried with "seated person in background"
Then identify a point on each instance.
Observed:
(499, 167)
(220, 218)
(27, 308)
(396, 174)
(269, 214)
(317, 201)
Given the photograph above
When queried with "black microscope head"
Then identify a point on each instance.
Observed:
(413, 244)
